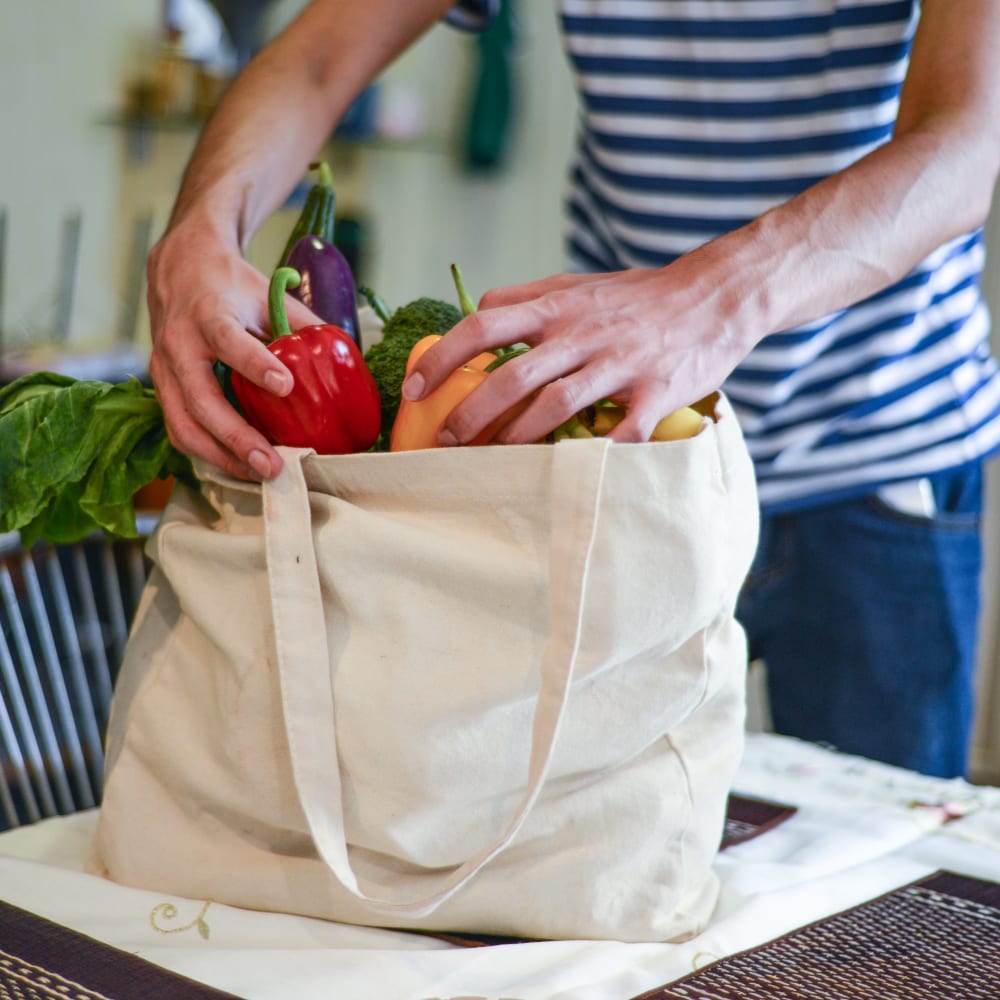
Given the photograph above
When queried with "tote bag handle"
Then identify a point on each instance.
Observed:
(577, 473)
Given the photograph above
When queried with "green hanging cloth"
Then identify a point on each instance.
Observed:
(492, 106)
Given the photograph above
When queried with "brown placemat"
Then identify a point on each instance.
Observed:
(42, 960)
(748, 817)
(935, 939)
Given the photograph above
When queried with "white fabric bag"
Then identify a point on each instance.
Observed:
(493, 689)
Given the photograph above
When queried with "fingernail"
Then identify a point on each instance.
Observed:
(413, 387)
(260, 463)
(278, 383)
(446, 439)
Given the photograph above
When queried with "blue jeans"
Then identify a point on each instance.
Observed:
(865, 616)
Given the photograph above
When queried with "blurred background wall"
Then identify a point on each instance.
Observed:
(69, 152)
(83, 190)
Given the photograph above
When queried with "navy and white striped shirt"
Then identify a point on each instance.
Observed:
(699, 115)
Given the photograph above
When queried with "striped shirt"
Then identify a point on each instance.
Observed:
(699, 115)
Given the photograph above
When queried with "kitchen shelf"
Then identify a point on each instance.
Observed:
(142, 128)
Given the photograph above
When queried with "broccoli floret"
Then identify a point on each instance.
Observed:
(387, 359)
(425, 316)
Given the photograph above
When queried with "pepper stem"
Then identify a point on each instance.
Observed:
(282, 279)
(376, 302)
(505, 354)
(468, 306)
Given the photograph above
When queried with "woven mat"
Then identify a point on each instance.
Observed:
(41, 960)
(935, 939)
(748, 817)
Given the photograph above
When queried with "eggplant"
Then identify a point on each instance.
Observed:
(327, 285)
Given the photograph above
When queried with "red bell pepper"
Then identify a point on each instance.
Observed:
(334, 405)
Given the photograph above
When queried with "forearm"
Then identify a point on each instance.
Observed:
(857, 232)
(281, 109)
(864, 228)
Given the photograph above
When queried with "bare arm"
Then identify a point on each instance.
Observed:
(203, 296)
(662, 338)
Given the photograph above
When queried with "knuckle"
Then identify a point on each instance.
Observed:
(491, 300)
(218, 333)
(460, 424)
(517, 375)
(201, 397)
(225, 444)
(153, 273)
(205, 309)
(233, 441)
(165, 338)
(529, 371)
(243, 351)
(157, 369)
(181, 438)
(197, 409)
(476, 329)
(566, 394)
(551, 306)
(189, 372)
(628, 432)
(175, 435)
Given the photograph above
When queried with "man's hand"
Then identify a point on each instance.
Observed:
(651, 339)
(207, 303)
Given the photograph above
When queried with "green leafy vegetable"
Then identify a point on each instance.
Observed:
(73, 453)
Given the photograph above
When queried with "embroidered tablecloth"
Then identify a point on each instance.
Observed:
(860, 833)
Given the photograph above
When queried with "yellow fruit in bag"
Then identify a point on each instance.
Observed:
(682, 423)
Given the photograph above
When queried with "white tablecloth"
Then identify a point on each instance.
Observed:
(861, 829)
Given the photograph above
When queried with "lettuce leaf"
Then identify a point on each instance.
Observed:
(73, 452)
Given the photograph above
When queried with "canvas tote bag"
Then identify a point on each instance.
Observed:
(492, 689)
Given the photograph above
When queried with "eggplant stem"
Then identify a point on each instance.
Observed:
(322, 168)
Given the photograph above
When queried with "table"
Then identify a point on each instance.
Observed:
(859, 830)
